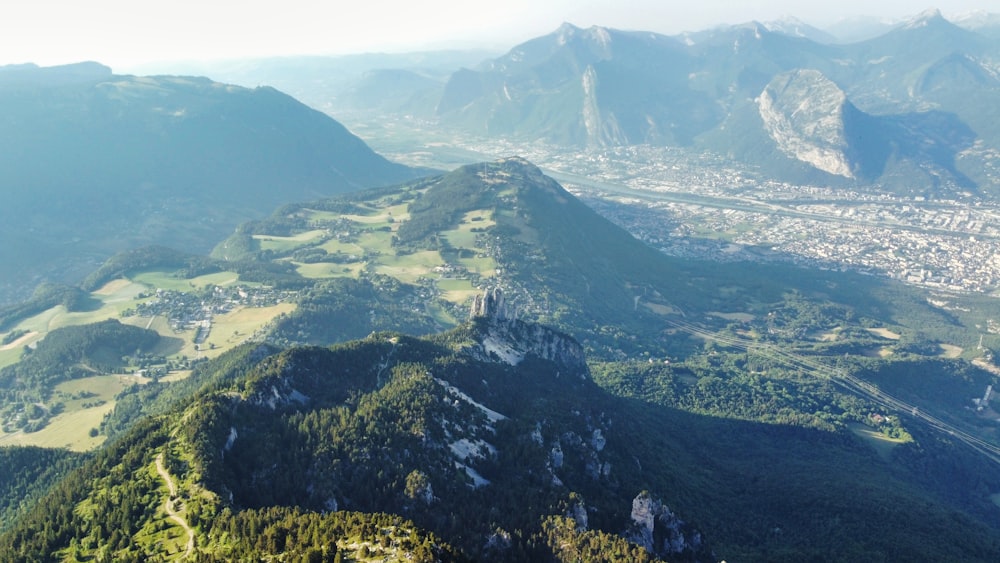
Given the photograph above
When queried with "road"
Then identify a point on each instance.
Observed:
(849, 382)
(168, 506)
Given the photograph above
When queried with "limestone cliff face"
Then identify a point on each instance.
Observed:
(659, 530)
(602, 128)
(502, 338)
(803, 112)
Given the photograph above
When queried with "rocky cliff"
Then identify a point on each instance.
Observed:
(659, 530)
(500, 337)
(803, 112)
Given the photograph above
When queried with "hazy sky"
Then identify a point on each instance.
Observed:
(121, 33)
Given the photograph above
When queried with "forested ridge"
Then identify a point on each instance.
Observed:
(413, 447)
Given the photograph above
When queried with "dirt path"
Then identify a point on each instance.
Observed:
(169, 506)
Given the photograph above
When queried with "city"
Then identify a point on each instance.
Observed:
(705, 206)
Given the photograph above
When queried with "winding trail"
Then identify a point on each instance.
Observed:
(169, 506)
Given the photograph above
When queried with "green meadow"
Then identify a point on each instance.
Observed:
(86, 402)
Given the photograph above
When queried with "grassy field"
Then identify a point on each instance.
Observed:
(235, 327)
(166, 280)
(951, 351)
(371, 244)
(121, 289)
(323, 270)
(409, 267)
(287, 244)
(377, 241)
(71, 428)
(464, 236)
(457, 291)
(117, 296)
(334, 246)
(11, 353)
(883, 444)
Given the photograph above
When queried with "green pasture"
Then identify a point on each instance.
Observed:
(11, 353)
(441, 315)
(378, 241)
(463, 236)
(334, 246)
(409, 267)
(382, 219)
(882, 444)
(457, 291)
(117, 290)
(236, 327)
(320, 216)
(322, 270)
(287, 244)
(71, 428)
(485, 266)
(166, 280)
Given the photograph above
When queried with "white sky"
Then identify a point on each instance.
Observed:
(121, 33)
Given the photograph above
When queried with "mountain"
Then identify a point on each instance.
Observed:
(923, 89)
(859, 28)
(486, 455)
(795, 27)
(881, 78)
(665, 407)
(334, 84)
(393, 90)
(595, 87)
(980, 21)
(804, 127)
(96, 163)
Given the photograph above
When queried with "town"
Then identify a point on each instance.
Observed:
(705, 206)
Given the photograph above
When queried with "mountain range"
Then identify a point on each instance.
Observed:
(96, 163)
(904, 110)
(296, 350)
(914, 116)
(666, 408)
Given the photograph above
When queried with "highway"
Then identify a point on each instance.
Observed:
(847, 381)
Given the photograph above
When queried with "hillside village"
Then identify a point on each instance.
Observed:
(185, 311)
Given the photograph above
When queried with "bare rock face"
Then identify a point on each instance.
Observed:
(508, 340)
(803, 112)
(490, 305)
(659, 530)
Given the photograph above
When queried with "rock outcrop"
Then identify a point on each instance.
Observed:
(499, 337)
(660, 531)
(803, 112)
(490, 305)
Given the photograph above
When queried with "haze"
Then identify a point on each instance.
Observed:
(122, 33)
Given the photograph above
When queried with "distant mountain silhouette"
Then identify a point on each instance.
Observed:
(94, 163)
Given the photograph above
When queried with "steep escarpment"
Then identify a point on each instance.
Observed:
(803, 112)
(504, 338)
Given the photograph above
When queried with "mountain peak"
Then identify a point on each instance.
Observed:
(565, 31)
(794, 27)
(924, 19)
(45, 76)
(753, 26)
(601, 36)
(975, 20)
